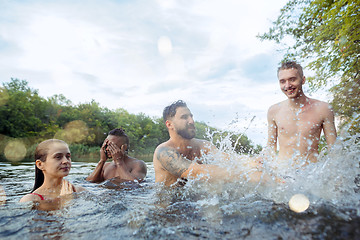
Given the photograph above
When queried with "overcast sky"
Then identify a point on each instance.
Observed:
(142, 55)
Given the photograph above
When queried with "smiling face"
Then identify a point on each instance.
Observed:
(58, 161)
(183, 123)
(291, 82)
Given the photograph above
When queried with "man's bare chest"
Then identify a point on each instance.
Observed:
(295, 124)
(111, 170)
(191, 153)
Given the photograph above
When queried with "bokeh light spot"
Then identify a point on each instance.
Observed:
(299, 203)
(164, 46)
(15, 150)
(74, 132)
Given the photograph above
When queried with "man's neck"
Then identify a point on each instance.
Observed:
(181, 143)
(298, 102)
(119, 160)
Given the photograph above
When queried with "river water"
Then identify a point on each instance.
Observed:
(235, 210)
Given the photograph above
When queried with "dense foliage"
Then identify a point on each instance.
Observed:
(325, 34)
(29, 118)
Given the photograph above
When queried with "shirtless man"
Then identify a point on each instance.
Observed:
(297, 122)
(179, 158)
(122, 166)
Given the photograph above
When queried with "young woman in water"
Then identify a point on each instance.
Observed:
(52, 164)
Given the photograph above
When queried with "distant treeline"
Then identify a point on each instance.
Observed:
(27, 118)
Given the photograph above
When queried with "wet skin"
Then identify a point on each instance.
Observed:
(122, 166)
(56, 166)
(179, 158)
(297, 122)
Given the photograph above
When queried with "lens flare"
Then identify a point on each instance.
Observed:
(74, 132)
(299, 203)
(164, 46)
(15, 150)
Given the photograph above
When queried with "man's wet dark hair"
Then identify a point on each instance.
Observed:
(170, 111)
(120, 133)
(291, 65)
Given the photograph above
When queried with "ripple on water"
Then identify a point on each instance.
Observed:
(235, 210)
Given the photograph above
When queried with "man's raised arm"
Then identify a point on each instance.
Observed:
(97, 175)
(329, 126)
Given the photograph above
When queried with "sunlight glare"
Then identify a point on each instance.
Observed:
(15, 150)
(74, 132)
(299, 203)
(164, 46)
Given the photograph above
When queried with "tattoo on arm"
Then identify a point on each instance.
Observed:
(172, 161)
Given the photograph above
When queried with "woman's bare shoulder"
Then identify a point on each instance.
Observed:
(30, 197)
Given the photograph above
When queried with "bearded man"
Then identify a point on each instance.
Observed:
(179, 158)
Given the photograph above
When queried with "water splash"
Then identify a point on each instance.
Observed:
(332, 180)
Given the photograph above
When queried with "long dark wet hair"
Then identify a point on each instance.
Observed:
(41, 153)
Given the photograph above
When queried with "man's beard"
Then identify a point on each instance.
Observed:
(185, 133)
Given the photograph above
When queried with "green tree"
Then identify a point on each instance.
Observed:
(325, 34)
(22, 110)
(203, 131)
(27, 116)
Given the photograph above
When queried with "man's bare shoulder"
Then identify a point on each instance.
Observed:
(136, 162)
(320, 106)
(273, 109)
(169, 159)
(201, 142)
(162, 146)
(108, 165)
(172, 145)
(320, 103)
(166, 146)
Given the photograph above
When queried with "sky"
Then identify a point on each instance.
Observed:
(142, 55)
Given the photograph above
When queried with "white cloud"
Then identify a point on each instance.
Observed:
(109, 51)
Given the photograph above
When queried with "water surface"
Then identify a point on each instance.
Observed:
(151, 211)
